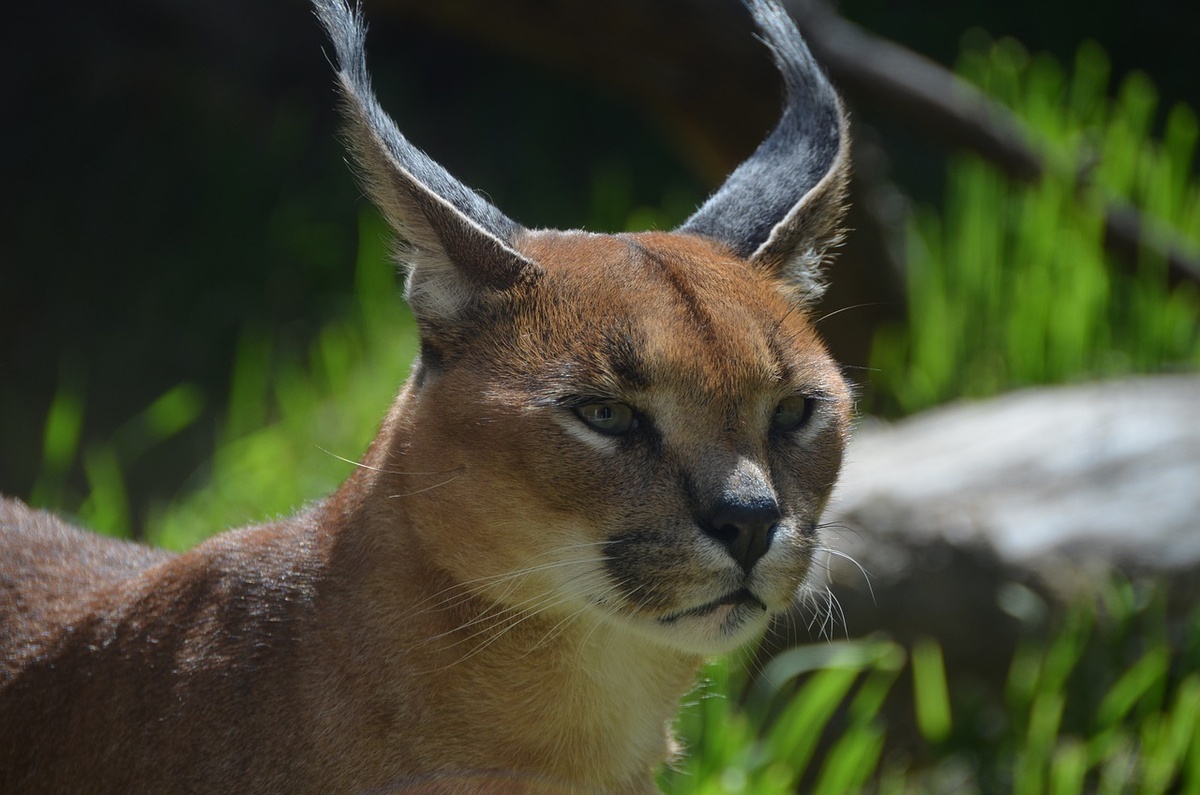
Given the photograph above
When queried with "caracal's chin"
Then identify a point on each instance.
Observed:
(716, 628)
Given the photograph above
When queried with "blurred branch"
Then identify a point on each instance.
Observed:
(915, 90)
(1126, 230)
(931, 98)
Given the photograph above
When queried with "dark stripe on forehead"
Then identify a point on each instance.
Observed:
(671, 273)
(622, 353)
(607, 363)
(783, 365)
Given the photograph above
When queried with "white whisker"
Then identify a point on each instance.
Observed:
(427, 488)
(866, 575)
(486, 587)
(828, 315)
(529, 614)
(383, 471)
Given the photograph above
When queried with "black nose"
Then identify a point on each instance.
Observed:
(744, 525)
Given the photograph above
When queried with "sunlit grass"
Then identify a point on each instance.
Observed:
(764, 737)
(1009, 284)
(1105, 699)
(292, 427)
(287, 429)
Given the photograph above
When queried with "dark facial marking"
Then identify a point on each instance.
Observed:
(679, 282)
(620, 350)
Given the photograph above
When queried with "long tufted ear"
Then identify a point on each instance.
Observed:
(456, 243)
(782, 208)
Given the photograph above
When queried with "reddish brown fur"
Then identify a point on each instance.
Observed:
(334, 651)
(508, 594)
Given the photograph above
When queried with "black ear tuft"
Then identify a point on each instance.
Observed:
(782, 208)
(457, 243)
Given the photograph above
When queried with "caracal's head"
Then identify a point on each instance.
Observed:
(640, 429)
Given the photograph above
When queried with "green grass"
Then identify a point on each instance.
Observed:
(1009, 285)
(290, 428)
(293, 429)
(1105, 699)
(779, 734)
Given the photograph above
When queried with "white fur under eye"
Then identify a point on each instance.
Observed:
(597, 441)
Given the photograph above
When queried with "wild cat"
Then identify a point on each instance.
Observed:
(607, 464)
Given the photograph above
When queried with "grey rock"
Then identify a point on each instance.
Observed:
(957, 522)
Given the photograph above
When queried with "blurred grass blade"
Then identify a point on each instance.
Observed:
(931, 694)
(174, 411)
(1137, 682)
(60, 442)
(852, 762)
(106, 509)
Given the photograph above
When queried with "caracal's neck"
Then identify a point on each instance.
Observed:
(564, 694)
(578, 700)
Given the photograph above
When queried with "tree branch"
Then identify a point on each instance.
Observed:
(930, 98)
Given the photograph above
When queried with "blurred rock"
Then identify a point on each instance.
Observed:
(962, 517)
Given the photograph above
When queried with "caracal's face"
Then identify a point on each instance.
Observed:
(646, 435)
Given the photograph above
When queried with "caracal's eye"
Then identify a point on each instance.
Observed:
(792, 413)
(608, 417)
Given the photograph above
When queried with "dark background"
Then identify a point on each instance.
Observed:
(171, 174)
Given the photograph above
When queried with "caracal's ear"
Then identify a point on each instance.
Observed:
(457, 246)
(782, 208)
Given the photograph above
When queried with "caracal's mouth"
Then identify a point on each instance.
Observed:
(727, 604)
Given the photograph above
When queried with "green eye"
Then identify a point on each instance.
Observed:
(791, 413)
(607, 418)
